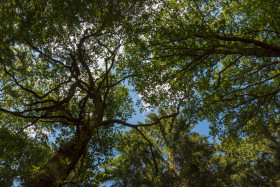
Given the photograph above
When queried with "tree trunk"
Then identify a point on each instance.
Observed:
(64, 161)
(172, 166)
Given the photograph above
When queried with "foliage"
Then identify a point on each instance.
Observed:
(67, 69)
(20, 156)
(225, 53)
(176, 156)
(58, 76)
(185, 158)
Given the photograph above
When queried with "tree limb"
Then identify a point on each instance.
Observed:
(109, 122)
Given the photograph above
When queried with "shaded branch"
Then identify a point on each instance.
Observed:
(108, 69)
(45, 55)
(31, 91)
(244, 40)
(109, 122)
(121, 80)
(71, 93)
(19, 114)
(228, 66)
(33, 123)
(151, 148)
(251, 85)
(82, 105)
(68, 182)
(80, 52)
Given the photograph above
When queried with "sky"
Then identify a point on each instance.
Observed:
(202, 127)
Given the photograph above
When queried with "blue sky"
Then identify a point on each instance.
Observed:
(202, 127)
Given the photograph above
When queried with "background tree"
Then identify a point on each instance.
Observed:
(251, 161)
(178, 157)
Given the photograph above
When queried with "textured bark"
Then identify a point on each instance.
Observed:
(64, 161)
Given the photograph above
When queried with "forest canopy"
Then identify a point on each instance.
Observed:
(68, 68)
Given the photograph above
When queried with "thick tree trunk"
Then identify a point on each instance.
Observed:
(64, 161)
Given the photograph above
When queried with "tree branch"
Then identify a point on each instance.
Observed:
(31, 91)
(244, 40)
(109, 122)
(70, 94)
(151, 148)
(44, 54)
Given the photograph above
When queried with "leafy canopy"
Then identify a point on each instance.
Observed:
(63, 66)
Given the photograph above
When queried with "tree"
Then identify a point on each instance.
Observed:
(62, 71)
(20, 156)
(225, 53)
(223, 58)
(59, 74)
(168, 154)
(251, 161)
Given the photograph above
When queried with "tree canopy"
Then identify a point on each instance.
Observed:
(67, 69)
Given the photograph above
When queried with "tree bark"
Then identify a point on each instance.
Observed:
(56, 171)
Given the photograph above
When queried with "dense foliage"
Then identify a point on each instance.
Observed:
(67, 69)
(170, 154)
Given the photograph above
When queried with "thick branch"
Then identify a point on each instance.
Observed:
(265, 46)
